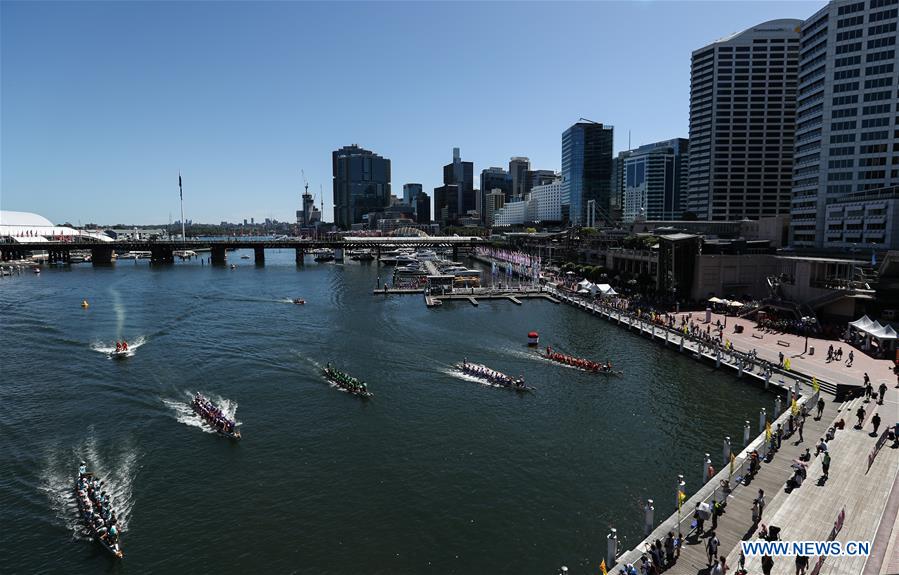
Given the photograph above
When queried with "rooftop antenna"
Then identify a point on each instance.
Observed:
(628, 139)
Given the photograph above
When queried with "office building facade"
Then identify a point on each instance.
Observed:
(519, 172)
(846, 173)
(493, 201)
(361, 180)
(460, 175)
(587, 172)
(742, 123)
(410, 191)
(422, 203)
(653, 183)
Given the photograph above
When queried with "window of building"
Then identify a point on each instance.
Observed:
(879, 82)
(847, 125)
(850, 34)
(878, 56)
(881, 42)
(881, 29)
(846, 48)
(879, 69)
(847, 61)
(877, 109)
(853, 21)
(883, 15)
(876, 122)
(878, 135)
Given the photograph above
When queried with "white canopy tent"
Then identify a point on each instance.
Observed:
(873, 334)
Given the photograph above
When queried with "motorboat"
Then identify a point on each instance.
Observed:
(299, 301)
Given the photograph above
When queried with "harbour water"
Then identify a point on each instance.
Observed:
(437, 474)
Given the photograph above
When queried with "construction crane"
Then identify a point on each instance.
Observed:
(305, 181)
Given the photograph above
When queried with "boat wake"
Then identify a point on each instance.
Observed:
(458, 374)
(116, 472)
(183, 413)
(109, 350)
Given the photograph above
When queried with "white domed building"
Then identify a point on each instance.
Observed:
(25, 227)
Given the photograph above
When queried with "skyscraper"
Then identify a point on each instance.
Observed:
(422, 203)
(846, 175)
(457, 192)
(519, 169)
(654, 180)
(409, 193)
(496, 179)
(361, 184)
(541, 178)
(742, 123)
(587, 171)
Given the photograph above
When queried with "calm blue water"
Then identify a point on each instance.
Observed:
(437, 474)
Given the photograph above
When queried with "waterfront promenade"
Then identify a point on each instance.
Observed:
(866, 500)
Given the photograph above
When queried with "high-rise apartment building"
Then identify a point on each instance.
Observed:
(547, 200)
(361, 184)
(846, 174)
(409, 193)
(742, 123)
(587, 171)
(653, 181)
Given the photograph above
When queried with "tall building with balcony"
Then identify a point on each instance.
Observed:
(361, 180)
(547, 199)
(742, 123)
(653, 181)
(846, 174)
(587, 172)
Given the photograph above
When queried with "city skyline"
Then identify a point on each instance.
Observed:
(245, 96)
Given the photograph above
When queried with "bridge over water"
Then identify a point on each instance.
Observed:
(163, 251)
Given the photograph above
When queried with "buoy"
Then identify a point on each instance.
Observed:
(84, 303)
(533, 338)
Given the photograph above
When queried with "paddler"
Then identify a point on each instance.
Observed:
(118, 346)
(124, 345)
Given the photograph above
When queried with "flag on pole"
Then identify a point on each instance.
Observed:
(732, 462)
(602, 568)
(681, 497)
(794, 407)
(180, 191)
(815, 384)
(767, 431)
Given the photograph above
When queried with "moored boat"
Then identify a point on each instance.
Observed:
(492, 377)
(214, 417)
(579, 363)
(346, 383)
(95, 511)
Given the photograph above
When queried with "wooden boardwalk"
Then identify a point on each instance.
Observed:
(809, 513)
(735, 524)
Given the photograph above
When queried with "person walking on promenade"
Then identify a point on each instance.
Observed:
(720, 568)
(882, 391)
(780, 435)
(850, 359)
(799, 428)
(801, 564)
(780, 357)
(820, 408)
(869, 389)
(697, 517)
(711, 547)
(756, 514)
(825, 464)
(767, 564)
(860, 414)
(875, 421)
(761, 500)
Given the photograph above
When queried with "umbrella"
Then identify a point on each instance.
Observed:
(714, 300)
(736, 304)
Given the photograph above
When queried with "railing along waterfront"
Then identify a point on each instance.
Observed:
(742, 362)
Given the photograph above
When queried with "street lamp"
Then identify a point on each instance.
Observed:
(806, 322)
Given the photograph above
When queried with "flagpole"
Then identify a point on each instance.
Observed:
(181, 193)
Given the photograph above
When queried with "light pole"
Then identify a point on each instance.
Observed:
(806, 322)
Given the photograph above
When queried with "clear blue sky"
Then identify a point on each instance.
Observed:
(103, 103)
